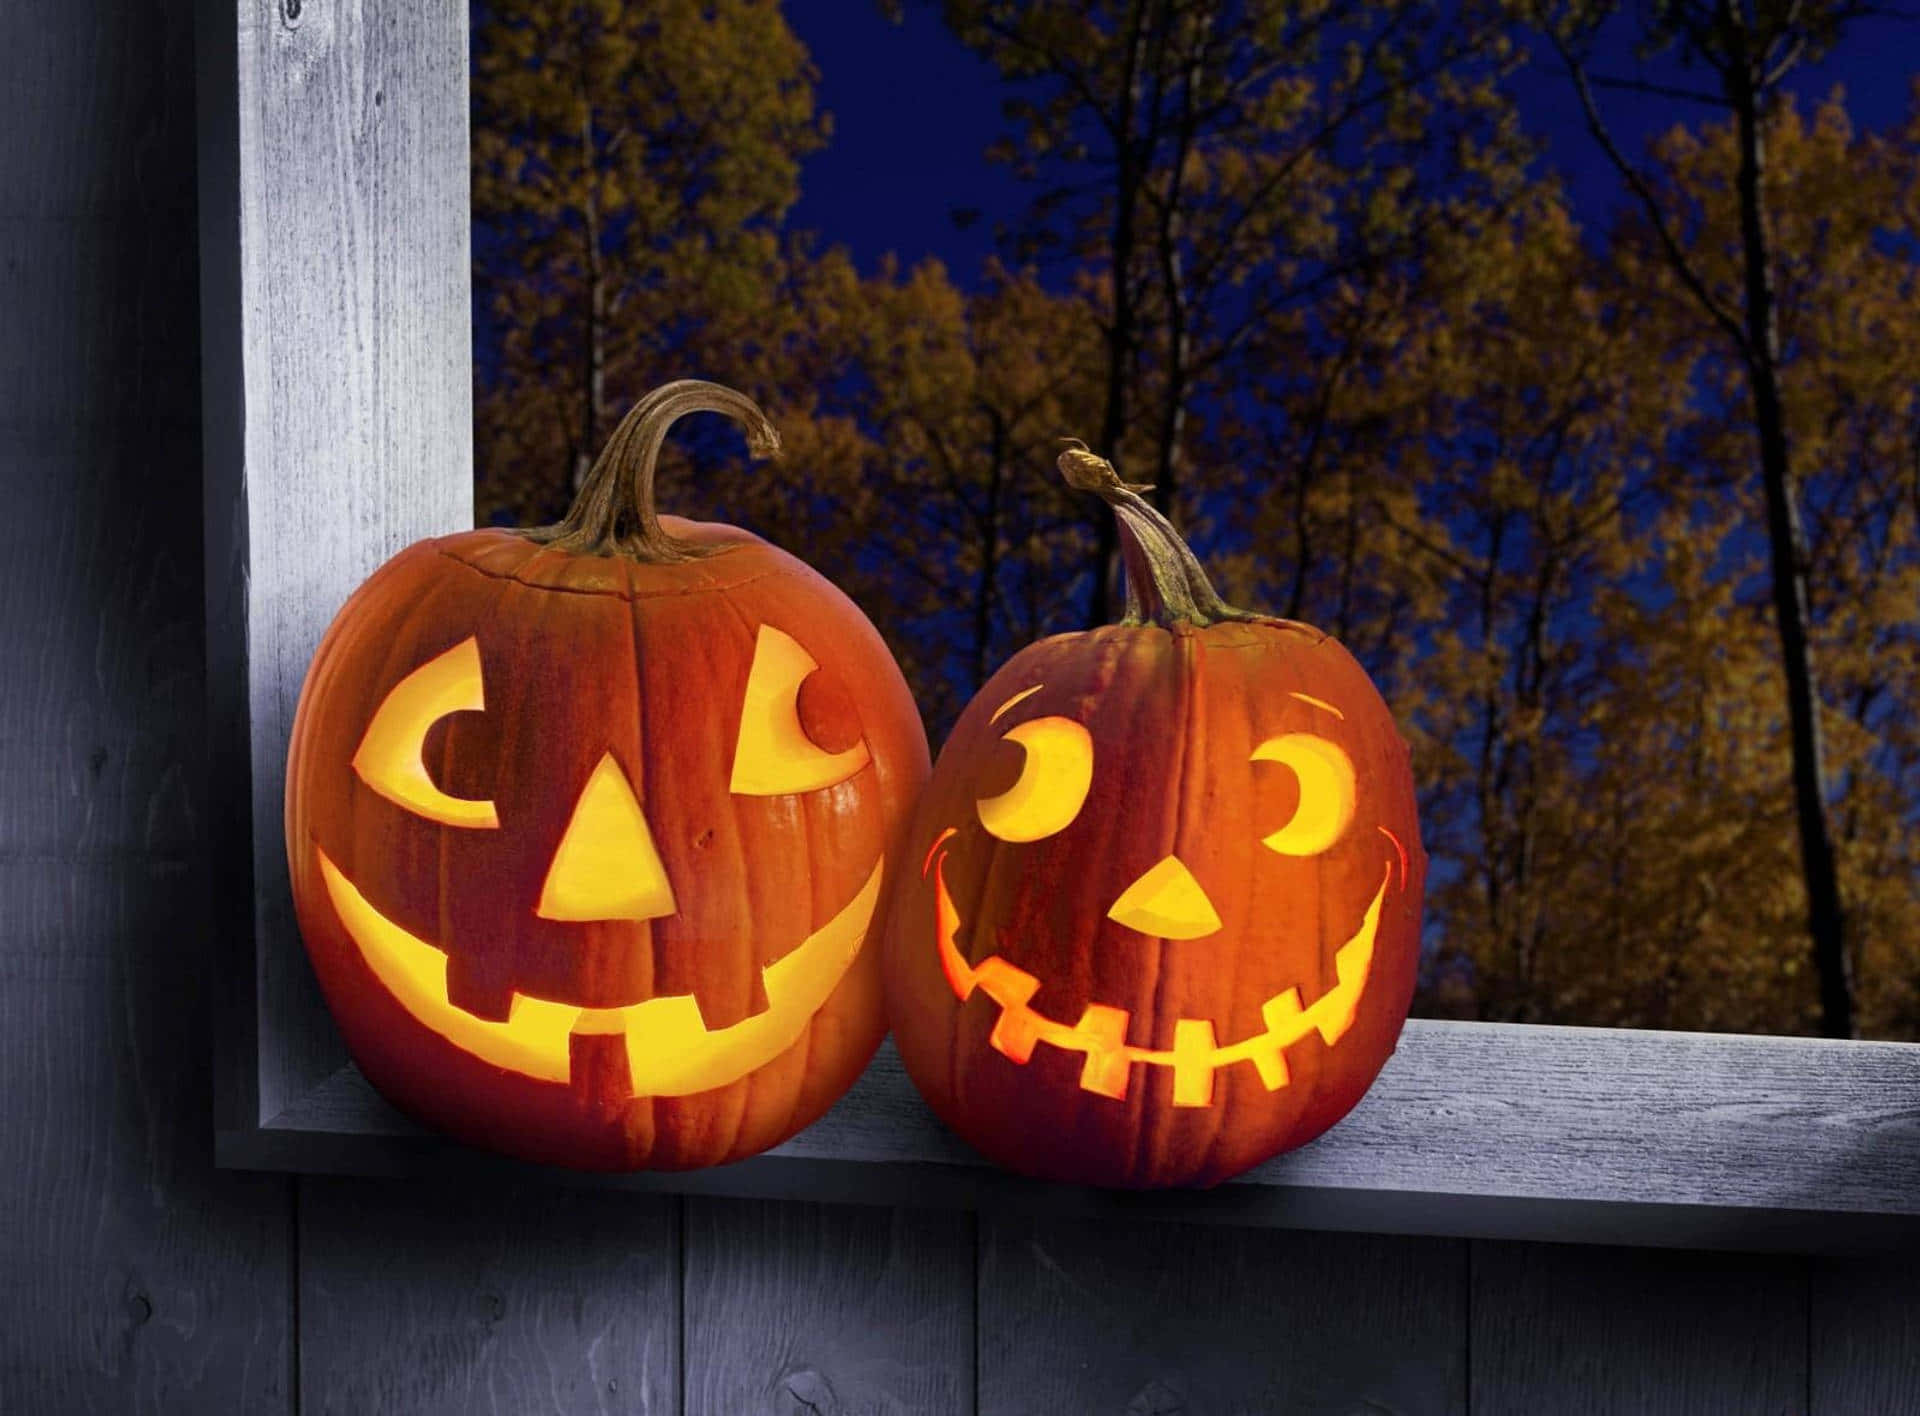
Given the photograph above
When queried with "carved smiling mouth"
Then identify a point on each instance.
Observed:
(1100, 1034)
(670, 1050)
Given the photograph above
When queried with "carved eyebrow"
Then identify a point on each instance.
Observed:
(1319, 703)
(1023, 694)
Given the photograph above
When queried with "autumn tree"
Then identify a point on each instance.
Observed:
(633, 170)
(1209, 165)
(631, 165)
(1599, 719)
(1487, 471)
(1841, 227)
(1294, 268)
(967, 395)
(1750, 49)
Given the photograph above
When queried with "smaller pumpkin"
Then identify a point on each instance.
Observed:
(1167, 919)
(587, 825)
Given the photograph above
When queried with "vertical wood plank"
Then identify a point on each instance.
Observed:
(1149, 1318)
(1864, 1336)
(520, 1302)
(1578, 1329)
(137, 1279)
(827, 1310)
(353, 354)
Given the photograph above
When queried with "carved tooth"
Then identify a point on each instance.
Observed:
(481, 989)
(1334, 1013)
(1018, 1027)
(1105, 1031)
(1101, 1031)
(1271, 1064)
(1193, 1048)
(1006, 984)
(601, 1022)
(1015, 1033)
(1353, 960)
(1285, 1022)
(1333, 1026)
(723, 1010)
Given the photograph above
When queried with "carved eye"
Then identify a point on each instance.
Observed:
(1325, 774)
(1053, 781)
(389, 757)
(773, 755)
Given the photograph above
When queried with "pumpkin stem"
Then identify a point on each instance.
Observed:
(1165, 582)
(613, 513)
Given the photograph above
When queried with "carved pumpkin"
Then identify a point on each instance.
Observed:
(1168, 916)
(587, 826)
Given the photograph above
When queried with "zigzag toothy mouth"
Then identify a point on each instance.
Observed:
(1101, 1031)
(670, 1049)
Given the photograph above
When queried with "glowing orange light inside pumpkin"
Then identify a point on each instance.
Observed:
(606, 866)
(670, 1050)
(1327, 789)
(1168, 902)
(1021, 697)
(1319, 703)
(1101, 1031)
(1053, 781)
(774, 756)
(389, 758)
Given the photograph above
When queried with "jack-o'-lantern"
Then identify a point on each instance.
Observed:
(587, 825)
(1166, 916)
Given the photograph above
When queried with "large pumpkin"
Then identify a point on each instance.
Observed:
(587, 826)
(1166, 918)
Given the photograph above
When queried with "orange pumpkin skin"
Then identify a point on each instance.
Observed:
(583, 656)
(1173, 716)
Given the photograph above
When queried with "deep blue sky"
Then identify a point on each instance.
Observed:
(914, 111)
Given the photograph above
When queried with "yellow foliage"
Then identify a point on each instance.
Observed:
(1392, 388)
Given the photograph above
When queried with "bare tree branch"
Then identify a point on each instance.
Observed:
(1631, 175)
(1658, 90)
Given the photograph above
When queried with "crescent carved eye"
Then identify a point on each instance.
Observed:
(773, 755)
(389, 757)
(1325, 774)
(1053, 781)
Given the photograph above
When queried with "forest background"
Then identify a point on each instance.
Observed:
(1616, 497)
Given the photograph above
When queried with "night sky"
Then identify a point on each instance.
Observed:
(913, 112)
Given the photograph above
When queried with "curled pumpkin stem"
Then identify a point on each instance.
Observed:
(1165, 582)
(613, 514)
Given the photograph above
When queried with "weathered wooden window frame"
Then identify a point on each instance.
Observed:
(337, 415)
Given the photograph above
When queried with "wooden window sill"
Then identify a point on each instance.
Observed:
(1486, 1130)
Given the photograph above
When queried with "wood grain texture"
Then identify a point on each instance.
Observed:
(1502, 1131)
(486, 1302)
(825, 1310)
(1579, 1332)
(137, 1277)
(1152, 1320)
(1865, 1338)
(353, 351)
(1633, 1116)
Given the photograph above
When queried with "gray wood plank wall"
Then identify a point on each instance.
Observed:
(139, 1279)
(133, 1277)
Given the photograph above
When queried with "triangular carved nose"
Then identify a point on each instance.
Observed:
(1168, 902)
(607, 866)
